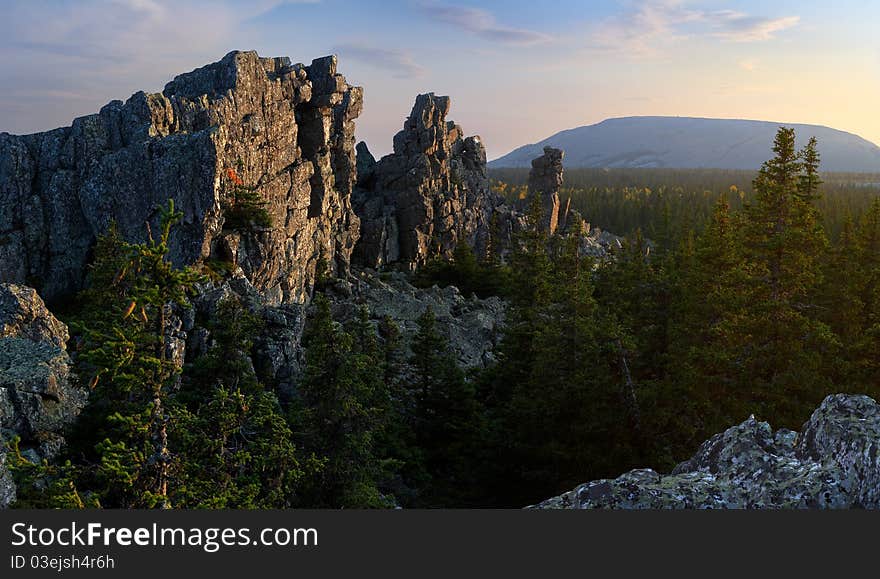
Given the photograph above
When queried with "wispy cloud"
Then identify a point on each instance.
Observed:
(740, 27)
(645, 30)
(481, 23)
(103, 49)
(400, 63)
(652, 26)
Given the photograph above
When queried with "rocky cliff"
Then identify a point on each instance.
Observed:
(39, 394)
(284, 131)
(833, 462)
(427, 196)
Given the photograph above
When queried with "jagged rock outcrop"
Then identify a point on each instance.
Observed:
(834, 462)
(545, 180)
(39, 394)
(285, 130)
(427, 196)
(277, 353)
(24, 315)
(471, 325)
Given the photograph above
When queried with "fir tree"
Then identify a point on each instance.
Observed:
(124, 326)
(341, 412)
(237, 448)
(447, 419)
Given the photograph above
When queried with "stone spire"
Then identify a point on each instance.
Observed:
(429, 195)
(545, 179)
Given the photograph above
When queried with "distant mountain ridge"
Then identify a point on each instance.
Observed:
(686, 142)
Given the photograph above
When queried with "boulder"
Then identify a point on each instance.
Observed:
(39, 394)
(472, 325)
(24, 315)
(834, 462)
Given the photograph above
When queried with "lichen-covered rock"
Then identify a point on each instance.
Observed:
(7, 485)
(23, 314)
(277, 352)
(285, 130)
(426, 197)
(39, 394)
(470, 324)
(847, 428)
(832, 463)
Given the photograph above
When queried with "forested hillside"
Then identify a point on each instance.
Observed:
(691, 143)
(729, 297)
(657, 200)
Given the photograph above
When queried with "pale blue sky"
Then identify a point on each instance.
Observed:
(516, 71)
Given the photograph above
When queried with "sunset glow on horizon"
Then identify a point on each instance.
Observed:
(517, 72)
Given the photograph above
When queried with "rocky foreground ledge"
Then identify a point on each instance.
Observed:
(834, 462)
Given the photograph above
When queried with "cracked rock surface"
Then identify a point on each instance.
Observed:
(286, 130)
(39, 394)
(833, 462)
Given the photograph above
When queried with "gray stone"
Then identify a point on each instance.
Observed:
(23, 314)
(426, 197)
(545, 180)
(39, 394)
(834, 462)
(7, 485)
(287, 130)
(470, 324)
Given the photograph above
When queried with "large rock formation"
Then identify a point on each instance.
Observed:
(471, 325)
(39, 395)
(285, 130)
(545, 180)
(427, 196)
(834, 462)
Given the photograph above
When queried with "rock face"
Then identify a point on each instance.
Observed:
(39, 395)
(24, 315)
(470, 324)
(430, 194)
(834, 462)
(545, 180)
(277, 353)
(285, 130)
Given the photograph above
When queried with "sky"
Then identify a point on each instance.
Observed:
(516, 72)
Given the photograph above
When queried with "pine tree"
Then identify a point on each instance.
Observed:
(124, 325)
(341, 412)
(784, 349)
(864, 345)
(447, 418)
(236, 448)
(839, 297)
(704, 366)
(529, 289)
(401, 460)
